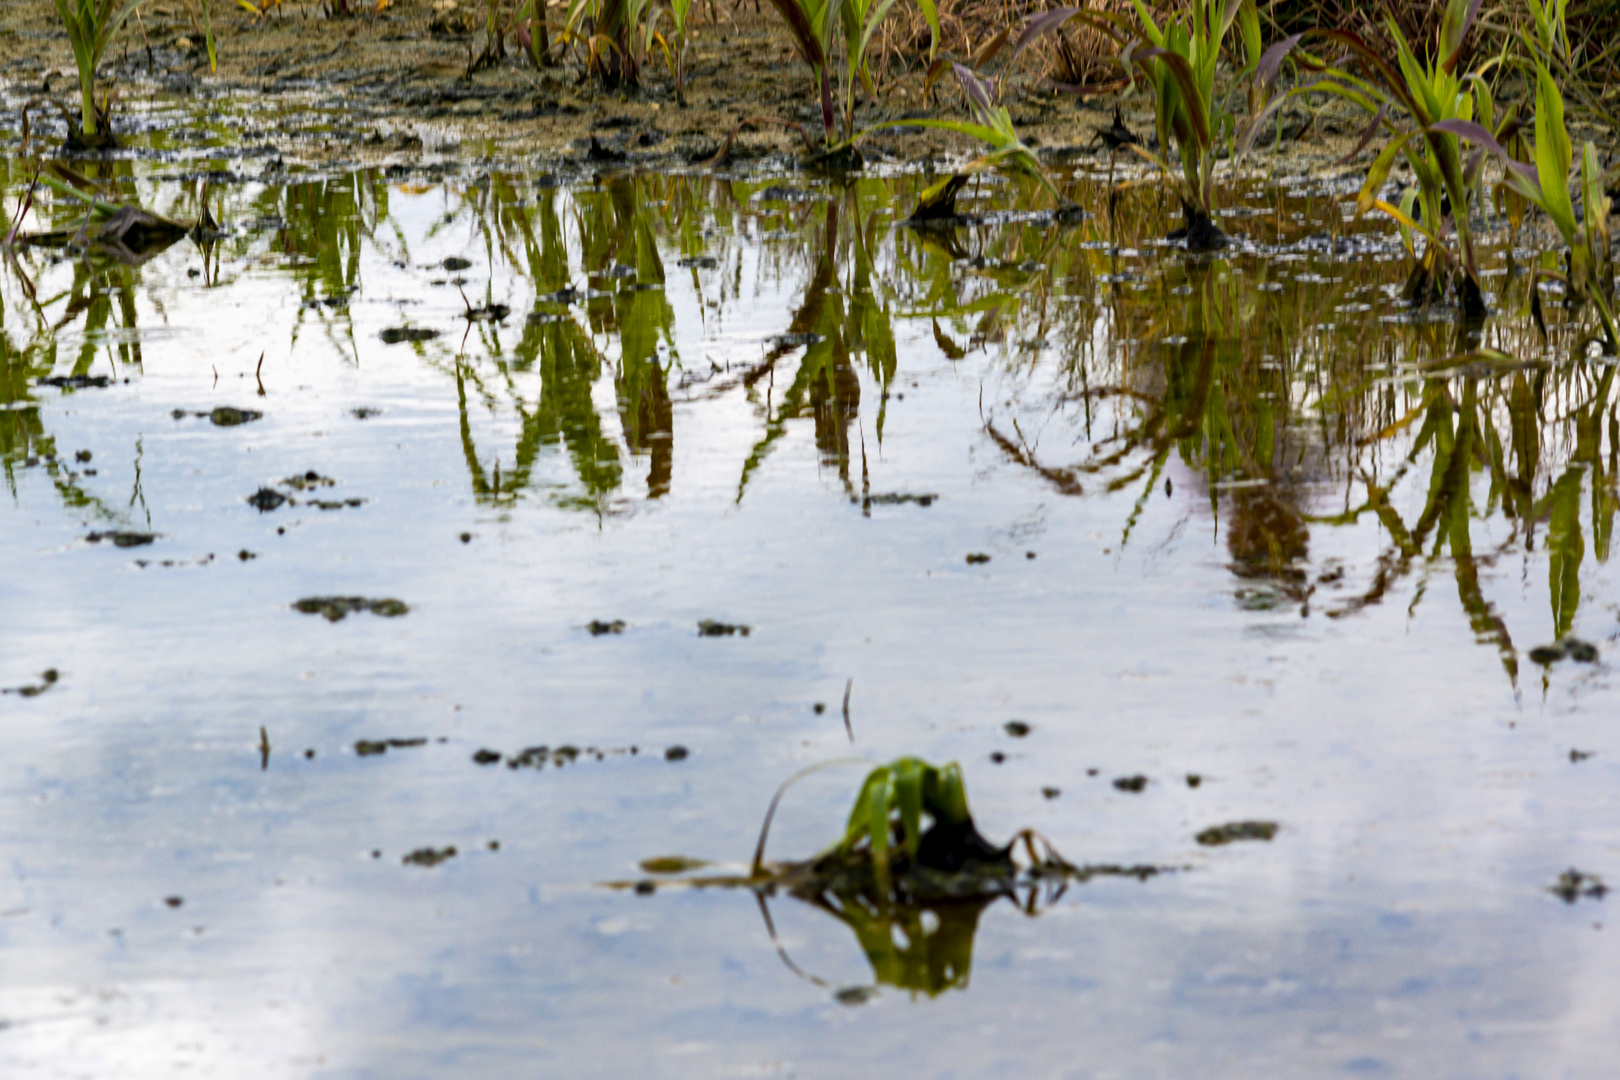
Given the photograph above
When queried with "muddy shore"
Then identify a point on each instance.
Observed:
(386, 89)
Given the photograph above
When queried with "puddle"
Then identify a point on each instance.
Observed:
(1323, 600)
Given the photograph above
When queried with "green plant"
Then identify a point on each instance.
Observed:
(860, 19)
(990, 124)
(91, 26)
(887, 818)
(675, 47)
(1431, 94)
(616, 34)
(1546, 187)
(1179, 65)
(812, 23)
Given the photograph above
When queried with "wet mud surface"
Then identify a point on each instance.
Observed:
(1285, 617)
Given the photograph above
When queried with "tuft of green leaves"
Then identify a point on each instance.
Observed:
(888, 813)
(91, 26)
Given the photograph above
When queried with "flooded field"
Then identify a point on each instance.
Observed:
(397, 582)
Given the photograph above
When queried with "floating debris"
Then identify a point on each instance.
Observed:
(370, 747)
(1234, 831)
(712, 628)
(306, 480)
(1572, 885)
(337, 608)
(977, 558)
(364, 412)
(899, 499)
(456, 262)
(699, 262)
(231, 416)
(47, 679)
(1016, 728)
(486, 757)
(675, 753)
(1132, 784)
(266, 499)
(427, 856)
(1572, 648)
(76, 382)
(394, 335)
(122, 538)
(597, 627)
(672, 864)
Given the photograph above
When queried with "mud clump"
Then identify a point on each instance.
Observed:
(1016, 728)
(337, 608)
(231, 416)
(77, 382)
(306, 480)
(1569, 648)
(395, 335)
(370, 747)
(486, 757)
(977, 558)
(899, 498)
(1233, 831)
(714, 628)
(47, 679)
(266, 499)
(597, 627)
(1572, 884)
(122, 538)
(1133, 784)
(427, 856)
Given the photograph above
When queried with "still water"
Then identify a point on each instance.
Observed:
(1240, 526)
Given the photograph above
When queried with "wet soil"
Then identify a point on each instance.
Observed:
(403, 87)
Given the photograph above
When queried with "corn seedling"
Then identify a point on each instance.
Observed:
(531, 32)
(1179, 63)
(1546, 187)
(91, 26)
(812, 24)
(990, 124)
(675, 45)
(616, 35)
(1416, 101)
(860, 19)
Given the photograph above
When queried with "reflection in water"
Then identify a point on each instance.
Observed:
(1260, 460)
(920, 948)
(1282, 374)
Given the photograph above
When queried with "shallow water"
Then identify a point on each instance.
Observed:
(1229, 531)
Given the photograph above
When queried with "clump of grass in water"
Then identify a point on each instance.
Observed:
(91, 26)
(910, 839)
(910, 877)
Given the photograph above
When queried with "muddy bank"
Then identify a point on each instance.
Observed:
(406, 87)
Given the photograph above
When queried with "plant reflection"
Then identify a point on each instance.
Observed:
(1283, 379)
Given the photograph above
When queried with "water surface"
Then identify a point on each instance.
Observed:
(1246, 520)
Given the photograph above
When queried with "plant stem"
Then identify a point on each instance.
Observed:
(87, 94)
